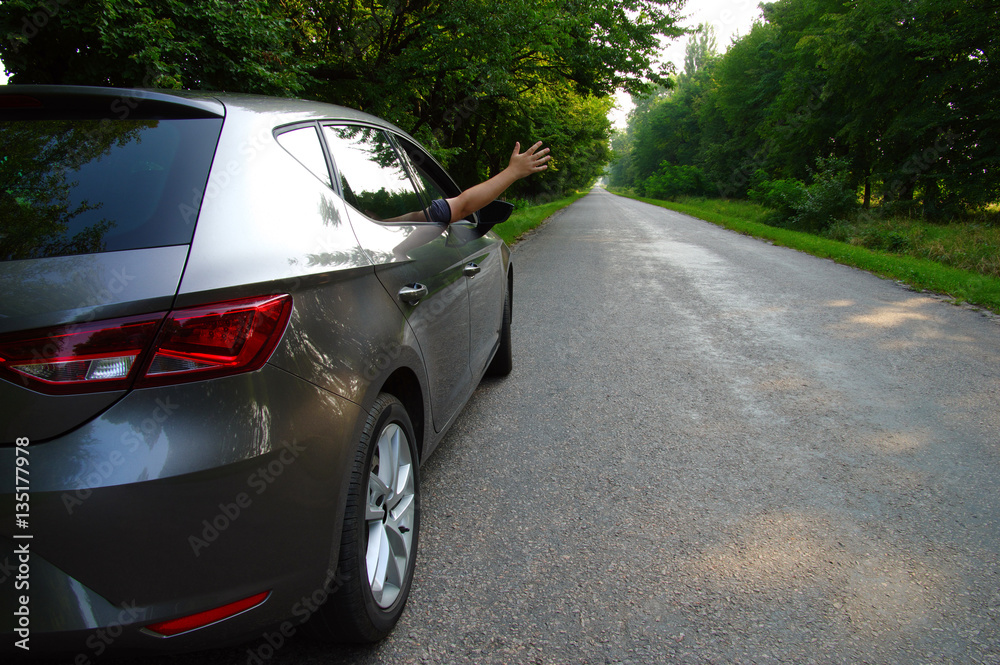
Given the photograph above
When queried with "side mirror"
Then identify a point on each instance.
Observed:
(495, 212)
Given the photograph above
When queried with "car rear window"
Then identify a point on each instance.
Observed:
(84, 186)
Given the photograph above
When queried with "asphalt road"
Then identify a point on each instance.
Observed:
(711, 450)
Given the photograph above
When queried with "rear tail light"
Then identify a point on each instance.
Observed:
(217, 340)
(87, 357)
(191, 344)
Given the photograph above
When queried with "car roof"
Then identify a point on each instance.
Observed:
(118, 101)
(303, 108)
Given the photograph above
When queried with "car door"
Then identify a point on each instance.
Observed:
(481, 259)
(412, 256)
(483, 264)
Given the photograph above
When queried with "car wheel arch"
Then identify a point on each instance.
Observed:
(404, 384)
(399, 371)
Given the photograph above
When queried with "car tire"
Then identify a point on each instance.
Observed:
(503, 361)
(381, 525)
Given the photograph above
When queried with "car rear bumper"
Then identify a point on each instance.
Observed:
(172, 502)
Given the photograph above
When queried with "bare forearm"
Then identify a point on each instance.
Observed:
(478, 196)
(521, 165)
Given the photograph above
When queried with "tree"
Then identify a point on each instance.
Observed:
(701, 48)
(918, 82)
(199, 44)
(903, 90)
(454, 73)
(458, 75)
(663, 127)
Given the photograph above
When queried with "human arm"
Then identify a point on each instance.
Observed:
(521, 165)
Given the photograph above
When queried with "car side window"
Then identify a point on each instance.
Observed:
(304, 145)
(424, 180)
(372, 177)
(431, 180)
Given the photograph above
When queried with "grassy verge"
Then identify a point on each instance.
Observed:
(963, 286)
(972, 244)
(526, 219)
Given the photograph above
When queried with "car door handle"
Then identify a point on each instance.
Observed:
(411, 294)
(471, 269)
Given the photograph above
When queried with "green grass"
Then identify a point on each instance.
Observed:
(972, 281)
(972, 245)
(526, 219)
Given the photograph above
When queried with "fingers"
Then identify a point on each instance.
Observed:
(537, 158)
(531, 160)
(540, 159)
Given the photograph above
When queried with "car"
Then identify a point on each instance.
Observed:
(229, 338)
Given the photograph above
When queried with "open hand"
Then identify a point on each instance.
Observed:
(532, 160)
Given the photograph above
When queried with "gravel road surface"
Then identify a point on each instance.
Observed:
(711, 450)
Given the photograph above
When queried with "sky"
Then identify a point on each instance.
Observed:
(730, 18)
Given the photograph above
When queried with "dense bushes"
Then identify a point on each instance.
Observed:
(812, 207)
(783, 197)
(674, 180)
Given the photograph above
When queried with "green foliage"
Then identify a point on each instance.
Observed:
(784, 197)
(810, 207)
(203, 44)
(466, 77)
(828, 198)
(903, 90)
(664, 125)
(672, 181)
(919, 107)
(469, 77)
(700, 50)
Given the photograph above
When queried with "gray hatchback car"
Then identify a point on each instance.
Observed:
(228, 338)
